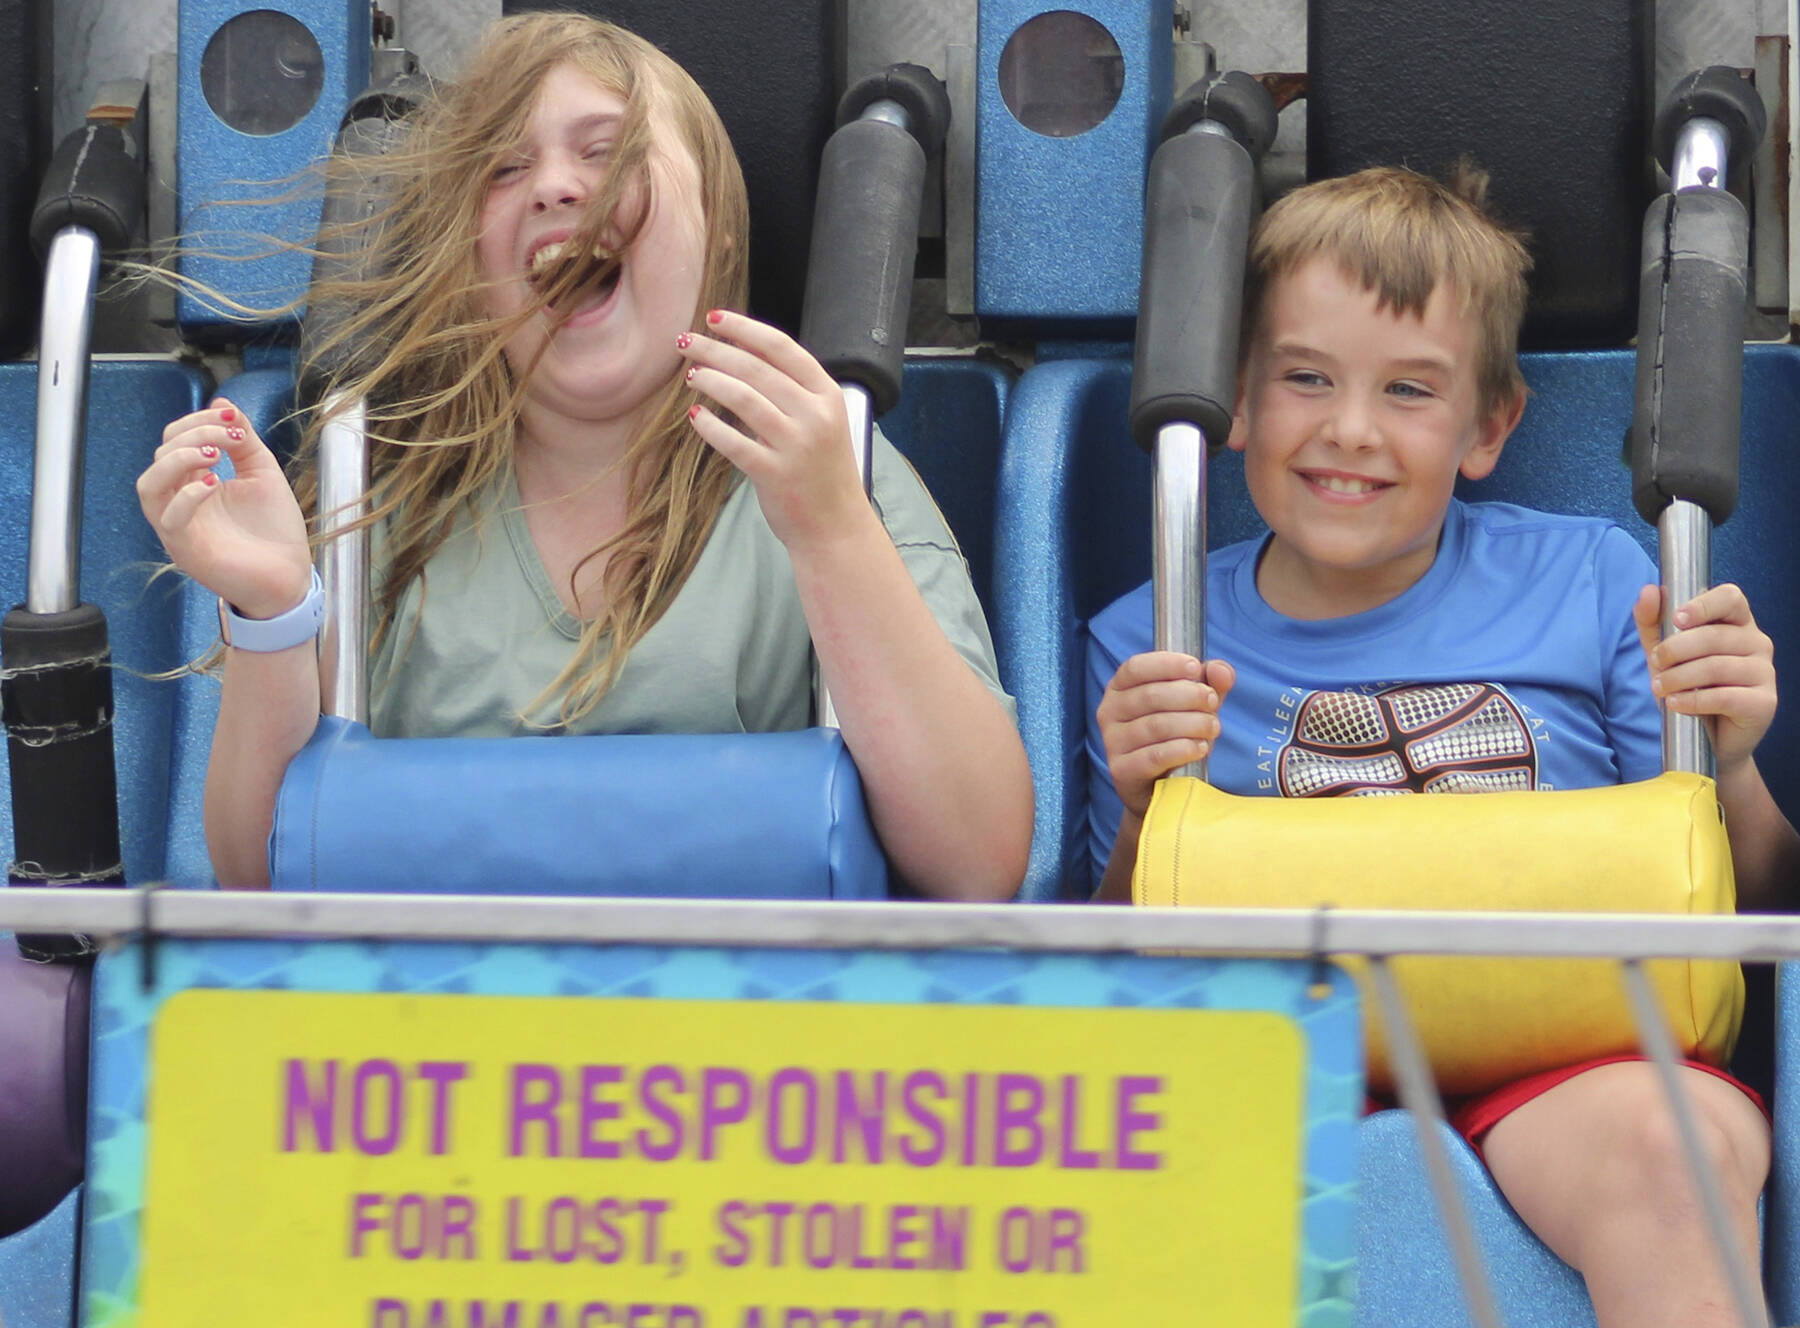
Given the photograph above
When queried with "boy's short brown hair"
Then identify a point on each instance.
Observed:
(1400, 234)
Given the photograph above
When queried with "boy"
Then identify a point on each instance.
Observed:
(1379, 364)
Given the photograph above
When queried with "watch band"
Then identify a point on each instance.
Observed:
(264, 636)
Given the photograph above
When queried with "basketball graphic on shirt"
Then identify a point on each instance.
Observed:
(1462, 737)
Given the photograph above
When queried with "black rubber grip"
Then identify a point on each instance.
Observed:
(859, 275)
(1717, 93)
(1197, 215)
(95, 181)
(57, 704)
(1235, 101)
(1690, 360)
(914, 87)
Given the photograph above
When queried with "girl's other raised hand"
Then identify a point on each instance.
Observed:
(242, 538)
(788, 430)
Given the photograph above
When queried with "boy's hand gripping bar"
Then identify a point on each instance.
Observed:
(1690, 360)
(1201, 202)
(56, 690)
(865, 236)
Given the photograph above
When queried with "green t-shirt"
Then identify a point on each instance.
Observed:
(479, 637)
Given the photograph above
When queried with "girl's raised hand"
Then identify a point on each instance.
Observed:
(1717, 663)
(243, 538)
(788, 433)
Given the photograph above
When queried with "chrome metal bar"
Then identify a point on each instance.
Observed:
(888, 111)
(53, 573)
(860, 407)
(1653, 1036)
(1298, 933)
(1684, 534)
(344, 561)
(1179, 555)
(1701, 154)
(1419, 1095)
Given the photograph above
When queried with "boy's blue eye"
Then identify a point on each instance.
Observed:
(1412, 391)
(1304, 378)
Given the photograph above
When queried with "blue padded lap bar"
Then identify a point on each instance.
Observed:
(1059, 225)
(262, 87)
(697, 816)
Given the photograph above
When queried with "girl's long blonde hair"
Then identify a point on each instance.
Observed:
(409, 331)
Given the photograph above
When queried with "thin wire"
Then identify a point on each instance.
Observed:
(1419, 1095)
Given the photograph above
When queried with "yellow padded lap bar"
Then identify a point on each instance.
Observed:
(1654, 847)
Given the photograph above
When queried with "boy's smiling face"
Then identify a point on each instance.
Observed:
(1354, 422)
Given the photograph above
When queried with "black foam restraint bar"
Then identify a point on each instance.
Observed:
(95, 181)
(56, 700)
(1690, 367)
(865, 234)
(1201, 198)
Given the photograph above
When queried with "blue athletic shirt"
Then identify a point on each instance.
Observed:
(1512, 663)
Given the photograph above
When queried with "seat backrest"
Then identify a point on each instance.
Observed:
(260, 91)
(1552, 99)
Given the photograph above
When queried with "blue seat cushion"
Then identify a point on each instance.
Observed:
(757, 816)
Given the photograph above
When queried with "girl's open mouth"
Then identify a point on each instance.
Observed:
(572, 279)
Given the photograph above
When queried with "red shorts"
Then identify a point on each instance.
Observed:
(1473, 1117)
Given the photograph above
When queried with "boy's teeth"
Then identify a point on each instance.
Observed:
(1337, 484)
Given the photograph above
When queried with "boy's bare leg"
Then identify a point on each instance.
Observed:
(1595, 1168)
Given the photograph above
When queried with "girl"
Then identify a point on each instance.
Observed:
(565, 408)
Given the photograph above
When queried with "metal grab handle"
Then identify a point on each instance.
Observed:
(71, 274)
(1178, 574)
(343, 560)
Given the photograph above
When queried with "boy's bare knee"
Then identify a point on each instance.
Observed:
(1644, 1164)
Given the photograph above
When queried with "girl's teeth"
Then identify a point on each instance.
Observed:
(548, 254)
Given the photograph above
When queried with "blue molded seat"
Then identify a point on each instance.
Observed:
(1074, 532)
(37, 1265)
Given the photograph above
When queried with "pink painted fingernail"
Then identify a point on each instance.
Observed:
(693, 412)
(685, 340)
(228, 414)
(716, 316)
(209, 478)
(208, 450)
(692, 370)
(235, 434)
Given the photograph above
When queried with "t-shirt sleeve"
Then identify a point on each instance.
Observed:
(1106, 650)
(1633, 721)
(936, 563)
